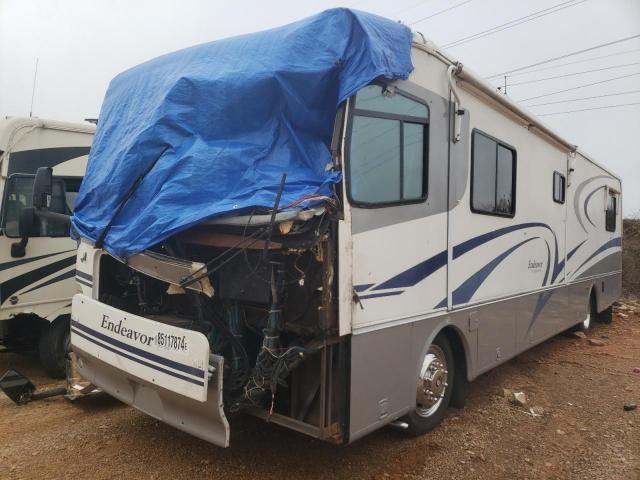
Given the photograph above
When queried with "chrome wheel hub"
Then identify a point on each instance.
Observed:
(432, 383)
(587, 321)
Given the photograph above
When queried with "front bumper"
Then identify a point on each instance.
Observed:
(164, 371)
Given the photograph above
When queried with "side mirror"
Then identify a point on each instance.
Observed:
(43, 188)
(25, 222)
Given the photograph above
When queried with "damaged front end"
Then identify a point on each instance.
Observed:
(237, 314)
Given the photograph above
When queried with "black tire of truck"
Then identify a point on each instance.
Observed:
(54, 345)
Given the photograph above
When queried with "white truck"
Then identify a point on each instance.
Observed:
(37, 267)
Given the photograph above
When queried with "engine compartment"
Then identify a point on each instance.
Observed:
(271, 312)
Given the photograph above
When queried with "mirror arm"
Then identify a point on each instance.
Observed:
(57, 217)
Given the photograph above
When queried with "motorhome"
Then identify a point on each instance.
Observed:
(448, 231)
(36, 278)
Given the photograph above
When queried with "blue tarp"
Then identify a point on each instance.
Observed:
(231, 117)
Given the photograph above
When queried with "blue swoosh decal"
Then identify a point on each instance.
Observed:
(464, 292)
(614, 242)
(415, 274)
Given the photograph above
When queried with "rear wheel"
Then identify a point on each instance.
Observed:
(592, 314)
(434, 388)
(54, 346)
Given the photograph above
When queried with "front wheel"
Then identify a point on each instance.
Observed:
(54, 346)
(434, 388)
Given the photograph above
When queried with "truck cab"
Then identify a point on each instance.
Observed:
(37, 267)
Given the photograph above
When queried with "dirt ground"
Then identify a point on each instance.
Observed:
(583, 432)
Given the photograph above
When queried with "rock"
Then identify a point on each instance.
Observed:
(537, 411)
(628, 389)
(578, 334)
(561, 432)
(519, 398)
(622, 315)
(507, 393)
(596, 343)
(636, 370)
(548, 464)
(629, 407)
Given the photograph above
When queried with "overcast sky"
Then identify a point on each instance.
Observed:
(82, 44)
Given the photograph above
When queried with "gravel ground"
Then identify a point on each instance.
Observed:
(583, 432)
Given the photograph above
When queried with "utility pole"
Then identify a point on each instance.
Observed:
(33, 90)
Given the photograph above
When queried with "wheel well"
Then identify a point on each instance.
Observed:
(460, 358)
(593, 297)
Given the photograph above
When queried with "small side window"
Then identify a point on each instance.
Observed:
(559, 187)
(611, 212)
(493, 176)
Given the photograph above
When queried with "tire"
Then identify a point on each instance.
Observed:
(606, 316)
(429, 411)
(55, 344)
(587, 323)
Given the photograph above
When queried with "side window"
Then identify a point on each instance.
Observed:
(559, 187)
(493, 176)
(611, 211)
(18, 195)
(388, 148)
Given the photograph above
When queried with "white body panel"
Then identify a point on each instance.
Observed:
(41, 282)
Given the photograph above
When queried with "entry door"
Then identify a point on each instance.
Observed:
(396, 161)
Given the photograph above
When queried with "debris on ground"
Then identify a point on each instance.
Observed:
(595, 342)
(579, 335)
(630, 406)
(537, 411)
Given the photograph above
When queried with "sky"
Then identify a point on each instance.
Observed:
(80, 45)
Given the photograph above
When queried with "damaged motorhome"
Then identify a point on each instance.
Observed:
(332, 225)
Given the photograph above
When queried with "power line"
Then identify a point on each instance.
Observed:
(583, 98)
(564, 56)
(441, 12)
(576, 62)
(515, 22)
(588, 109)
(574, 73)
(411, 7)
(580, 86)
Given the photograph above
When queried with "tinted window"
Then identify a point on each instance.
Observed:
(387, 151)
(377, 99)
(493, 176)
(375, 160)
(559, 187)
(611, 212)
